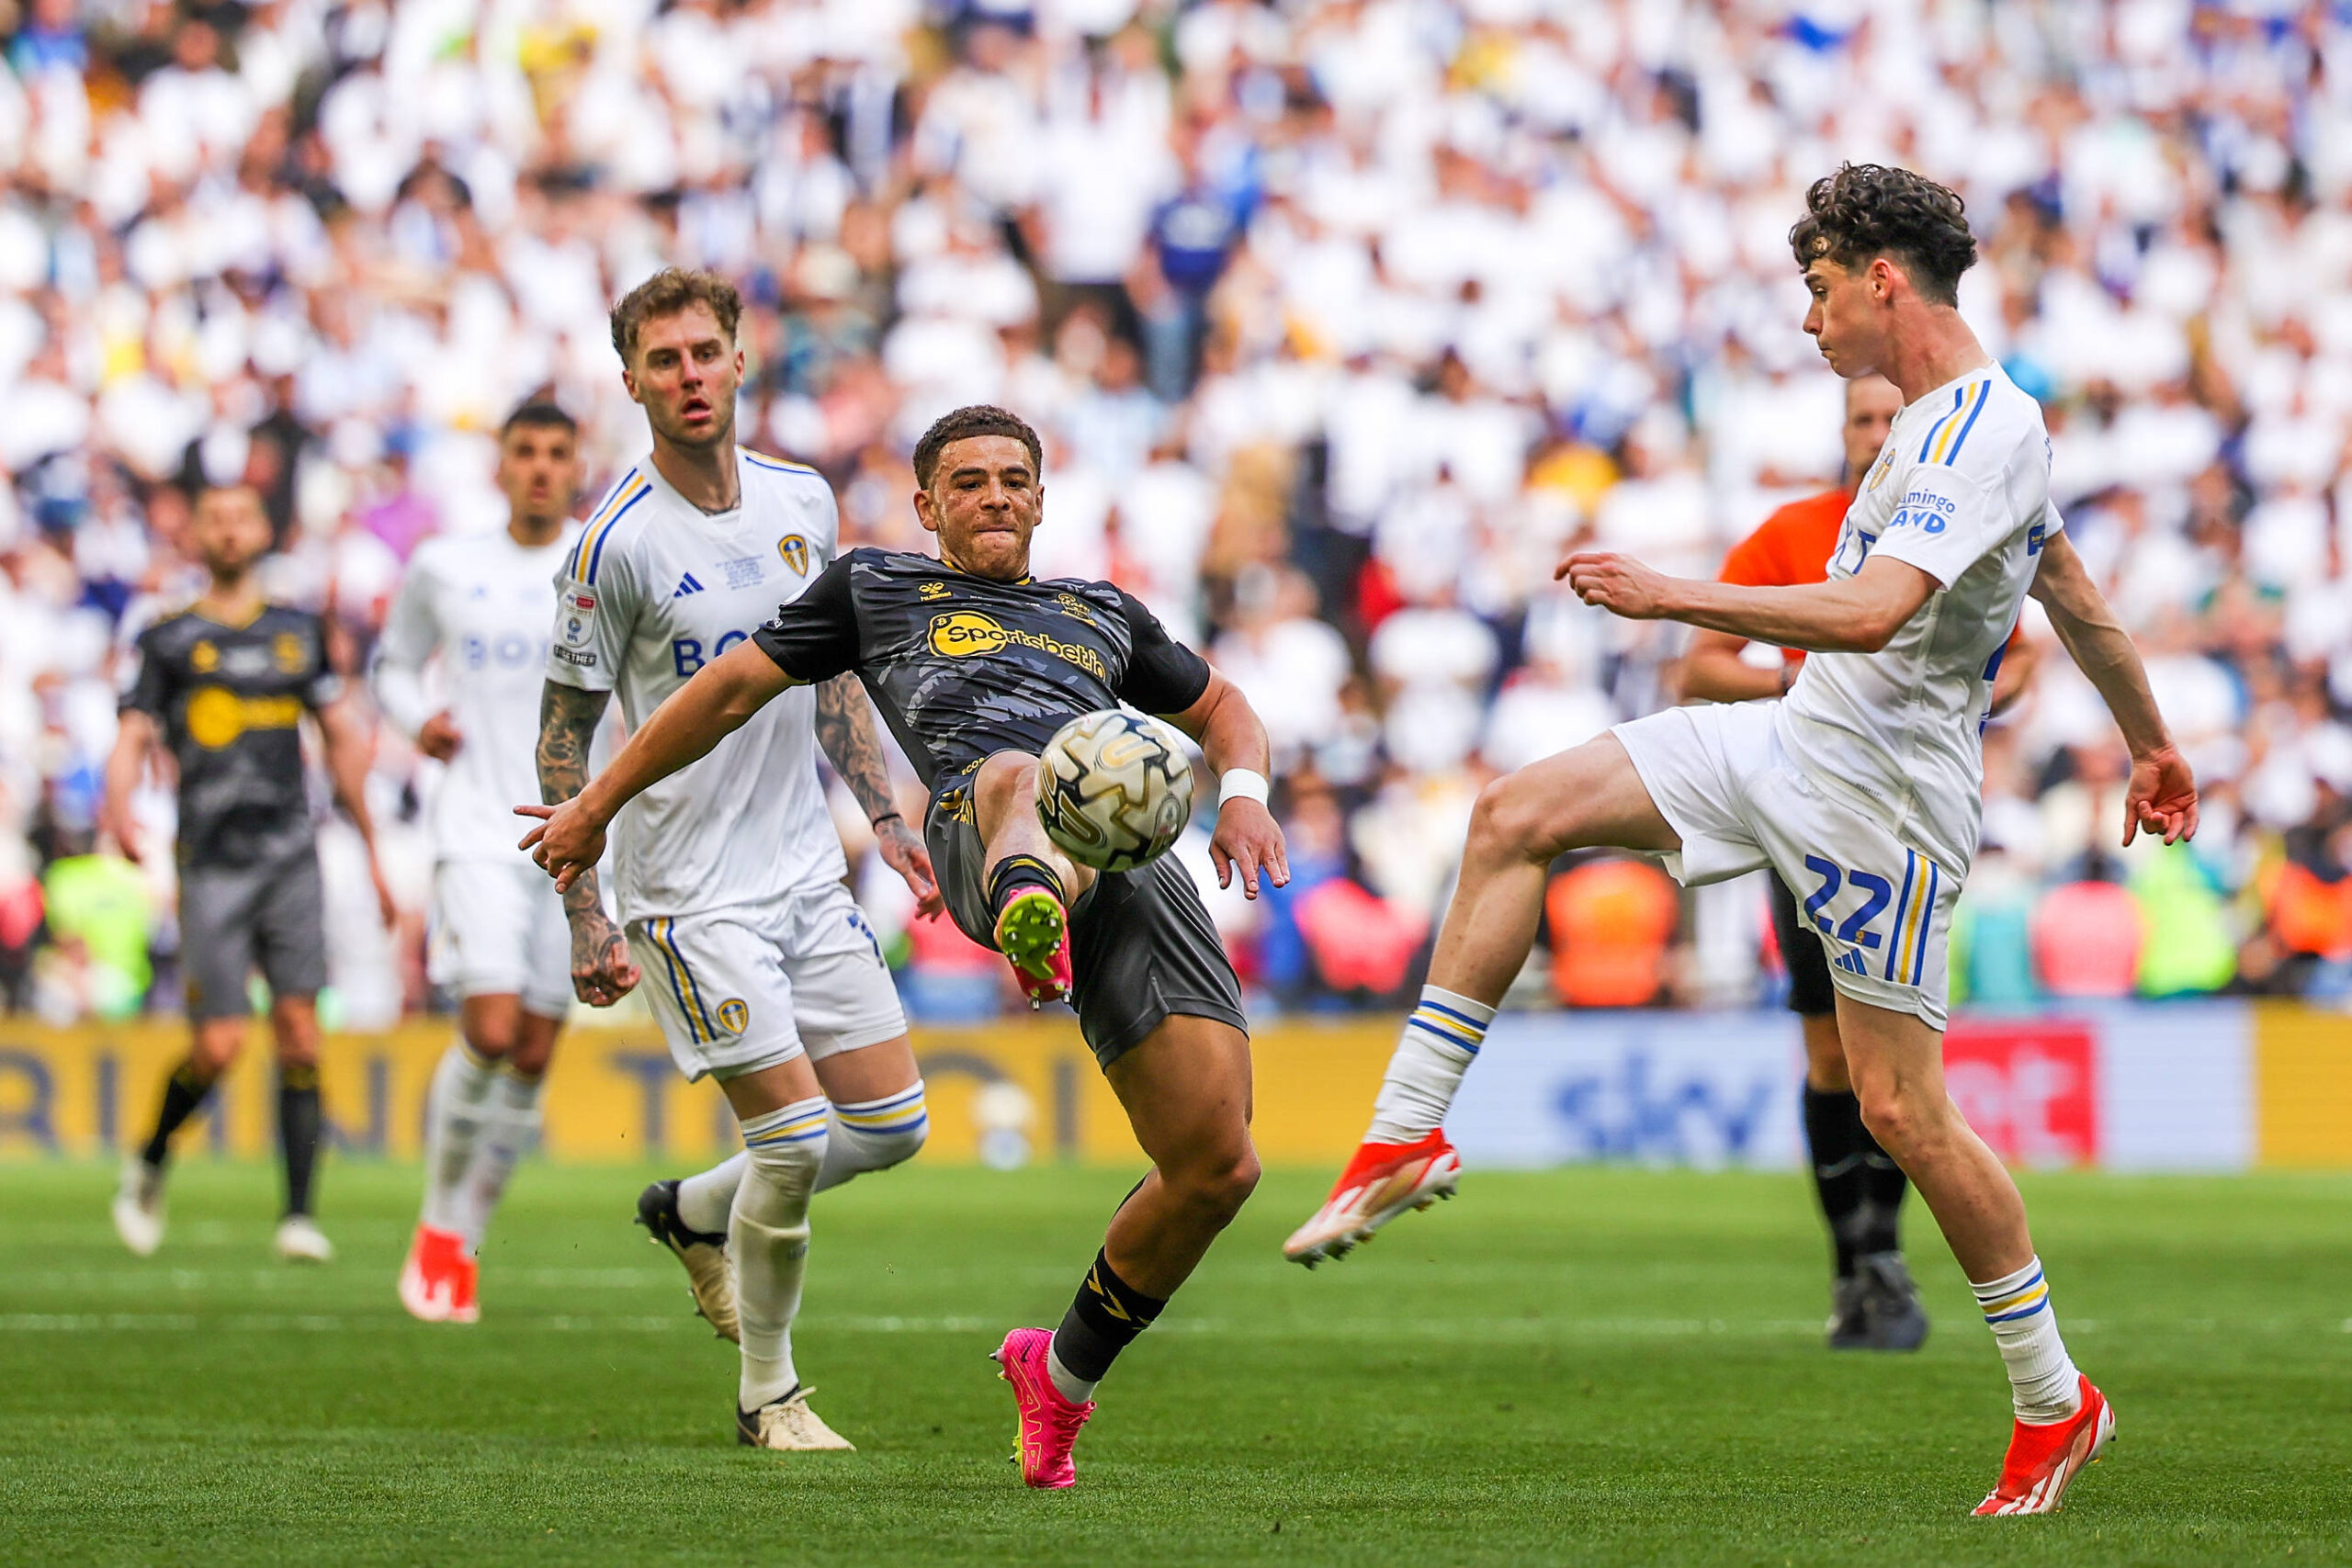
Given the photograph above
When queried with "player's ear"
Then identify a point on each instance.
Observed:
(628, 380)
(925, 513)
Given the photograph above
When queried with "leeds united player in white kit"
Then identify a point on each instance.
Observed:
(1859, 788)
(763, 971)
(476, 607)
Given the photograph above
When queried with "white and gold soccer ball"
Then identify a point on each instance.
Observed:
(1115, 789)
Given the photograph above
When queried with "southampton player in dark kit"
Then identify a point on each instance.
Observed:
(224, 686)
(975, 664)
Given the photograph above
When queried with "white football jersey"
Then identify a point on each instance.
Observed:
(476, 610)
(1962, 492)
(654, 589)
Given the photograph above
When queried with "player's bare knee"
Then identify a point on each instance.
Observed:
(1901, 1119)
(214, 1049)
(495, 1040)
(1512, 822)
(1004, 782)
(1216, 1188)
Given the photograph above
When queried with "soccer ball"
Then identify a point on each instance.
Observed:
(1113, 789)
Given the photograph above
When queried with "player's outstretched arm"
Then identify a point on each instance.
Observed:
(690, 721)
(134, 737)
(2162, 796)
(1247, 838)
(1856, 615)
(845, 730)
(350, 749)
(602, 970)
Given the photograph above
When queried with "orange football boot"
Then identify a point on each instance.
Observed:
(1383, 1181)
(2043, 1460)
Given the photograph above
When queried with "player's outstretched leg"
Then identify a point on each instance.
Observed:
(1031, 883)
(768, 1235)
(301, 1121)
(138, 1202)
(1186, 1090)
(2062, 1421)
(1522, 822)
(456, 1108)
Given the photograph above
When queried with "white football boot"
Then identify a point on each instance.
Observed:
(300, 1240)
(139, 1207)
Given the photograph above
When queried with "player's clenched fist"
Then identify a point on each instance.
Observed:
(568, 841)
(1619, 584)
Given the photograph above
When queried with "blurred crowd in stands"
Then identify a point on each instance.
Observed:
(1343, 320)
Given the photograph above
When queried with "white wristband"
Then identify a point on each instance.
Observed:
(1241, 784)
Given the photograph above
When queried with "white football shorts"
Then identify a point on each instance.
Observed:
(747, 987)
(498, 929)
(1717, 773)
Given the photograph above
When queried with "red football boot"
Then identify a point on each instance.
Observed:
(429, 1278)
(1383, 1181)
(2043, 1460)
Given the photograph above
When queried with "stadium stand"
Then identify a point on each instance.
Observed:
(1343, 319)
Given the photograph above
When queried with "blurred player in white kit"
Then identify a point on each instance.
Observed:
(763, 973)
(476, 607)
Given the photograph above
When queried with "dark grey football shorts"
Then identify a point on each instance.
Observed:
(235, 919)
(1142, 946)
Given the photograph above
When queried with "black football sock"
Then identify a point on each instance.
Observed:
(184, 1095)
(1884, 1185)
(1834, 1136)
(1104, 1319)
(1015, 872)
(298, 1130)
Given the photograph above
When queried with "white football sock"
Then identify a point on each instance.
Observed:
(513, 1128)
(873, 1135)
(767, 1234)
(2044, 1384)
(706, 1200)
(1439, 1042)
(456, 1108)
(1068, 1384)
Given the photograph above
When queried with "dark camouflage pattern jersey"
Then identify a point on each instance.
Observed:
(963, 667)
(229, 702)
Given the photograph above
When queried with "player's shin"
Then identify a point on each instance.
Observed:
(456, 1108)
(299, 1120)
(2045, 1386)
(512, 1128)
(184, 1095)
(1439, 1041)
(1103, 1320)
(768, 1235)
(707, 1198)
(872, 1135)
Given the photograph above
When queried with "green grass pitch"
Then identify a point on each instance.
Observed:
(1592, 1366)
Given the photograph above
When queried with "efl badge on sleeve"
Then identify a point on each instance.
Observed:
(795, 551)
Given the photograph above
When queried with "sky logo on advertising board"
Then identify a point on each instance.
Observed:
(1637, 1109)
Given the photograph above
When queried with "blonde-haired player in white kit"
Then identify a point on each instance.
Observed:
(1860, 788)
(759, 966)
(477, 606)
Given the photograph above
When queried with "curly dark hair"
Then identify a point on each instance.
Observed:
(1868, 210)
(962, 425)
(665, 294)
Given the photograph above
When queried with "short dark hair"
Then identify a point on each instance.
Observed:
(665, 294)
(538, 413)
(1868, 210)
(974, 418)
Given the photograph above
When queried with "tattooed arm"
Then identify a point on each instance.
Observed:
(602, 973)
(845, 730)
